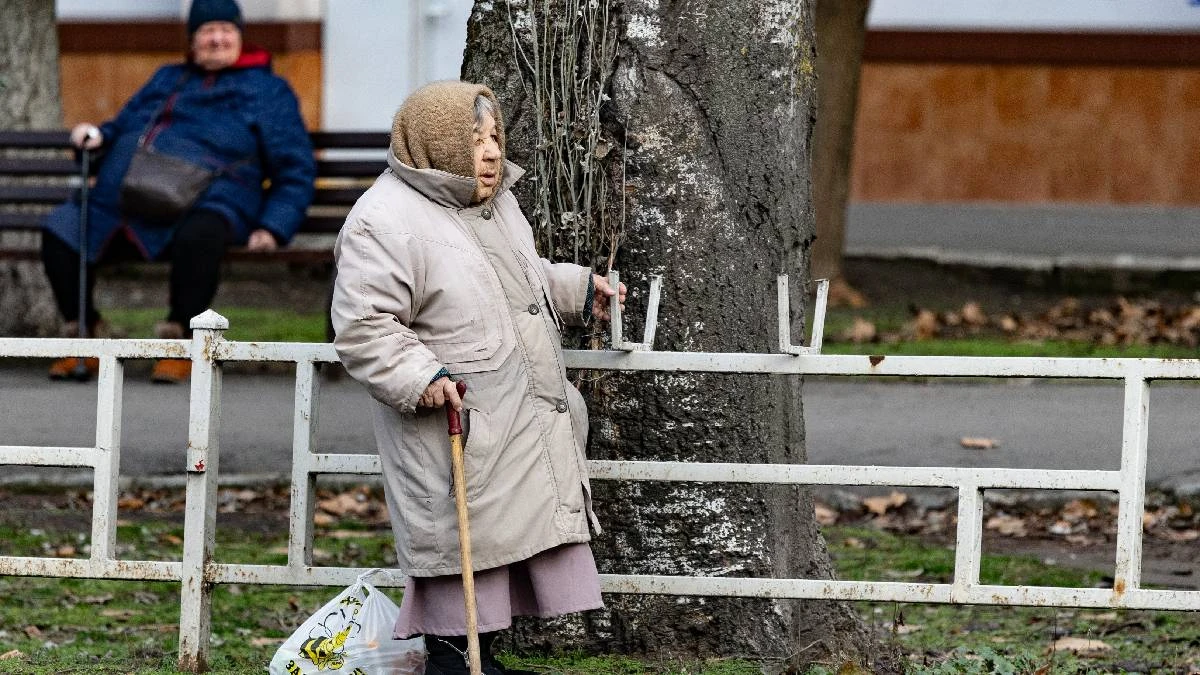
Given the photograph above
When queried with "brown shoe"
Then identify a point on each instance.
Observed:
(67, 369)
(171, 371)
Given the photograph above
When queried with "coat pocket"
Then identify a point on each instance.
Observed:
(458, 321)
(480, 452)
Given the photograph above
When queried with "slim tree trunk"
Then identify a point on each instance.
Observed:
(841, 32)
(707, 122)
(28, 100)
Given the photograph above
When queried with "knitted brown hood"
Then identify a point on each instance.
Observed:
(433, 128)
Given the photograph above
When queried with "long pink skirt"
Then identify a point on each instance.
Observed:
(558, 581)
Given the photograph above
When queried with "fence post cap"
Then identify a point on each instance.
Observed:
(209, 320)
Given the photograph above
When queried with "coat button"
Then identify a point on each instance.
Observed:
(561, 407)
(534, 309)
(486, 213)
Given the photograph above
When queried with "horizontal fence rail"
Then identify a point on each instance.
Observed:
(197, 572)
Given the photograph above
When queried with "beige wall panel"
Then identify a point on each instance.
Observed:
(96, 84)
(933, 132)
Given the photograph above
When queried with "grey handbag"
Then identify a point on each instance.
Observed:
(160, 188)
(157, 187)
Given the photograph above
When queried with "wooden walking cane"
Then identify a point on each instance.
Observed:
(464, 529)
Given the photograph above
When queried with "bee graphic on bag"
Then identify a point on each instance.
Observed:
(325, 644)
(326, 652)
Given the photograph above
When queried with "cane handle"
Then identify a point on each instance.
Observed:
(453, 420)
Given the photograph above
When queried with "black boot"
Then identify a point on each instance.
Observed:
(447, 655)
(490, 665)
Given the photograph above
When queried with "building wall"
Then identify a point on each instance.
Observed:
(102, 64)
(1108, 119)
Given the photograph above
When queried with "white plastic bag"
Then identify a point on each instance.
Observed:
(352, 634)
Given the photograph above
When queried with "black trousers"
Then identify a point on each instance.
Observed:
(195, 256)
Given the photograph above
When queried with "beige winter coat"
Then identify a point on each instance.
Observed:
(425, 281)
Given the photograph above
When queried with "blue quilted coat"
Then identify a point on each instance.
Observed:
(243, 121)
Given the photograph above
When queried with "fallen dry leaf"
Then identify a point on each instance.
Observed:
(1181, 536)
(825, 515)
(973, 315)
(860, 331)
(344, 504)
(323, 519)
(880, 505)
(14, 654)
(1080, 646)
(842, 294)
(354, 534)
(1061, 527)
(925, 326)
(1009, 526)
(904, 574)
(131, 503)
(978, 443)
(265, 641)
(33, 632)
(119, 613)
(1077, 509)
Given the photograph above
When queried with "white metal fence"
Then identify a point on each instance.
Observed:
(198, 573)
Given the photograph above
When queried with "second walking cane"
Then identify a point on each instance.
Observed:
(85, 154)
(464, 529)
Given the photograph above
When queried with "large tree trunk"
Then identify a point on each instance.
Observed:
(841, 32)
(709, 119)
(28, 100)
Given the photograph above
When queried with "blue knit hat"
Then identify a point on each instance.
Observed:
(204, 11)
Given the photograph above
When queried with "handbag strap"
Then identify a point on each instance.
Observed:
(165, 108)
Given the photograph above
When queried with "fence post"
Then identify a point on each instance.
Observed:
(109, 398)
(1135, 432)
(204, 426)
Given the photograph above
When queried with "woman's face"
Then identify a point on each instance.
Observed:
(486, 153)
(216, 45)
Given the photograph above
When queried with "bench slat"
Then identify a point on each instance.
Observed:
(53, 195)
(24, 220)
(349, 168)
(369, 140)
(35, 194)
(37, 166)
(35, 139)
(321, 140)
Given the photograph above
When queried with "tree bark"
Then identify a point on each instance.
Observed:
(710, 117)
(841, 33)
(28, 100)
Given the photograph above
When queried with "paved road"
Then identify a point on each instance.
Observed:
(1037, 237)
(1052, 425)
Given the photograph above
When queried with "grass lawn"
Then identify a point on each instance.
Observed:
(892, 319)
(246, 324)
(270, 325)
(78, 626)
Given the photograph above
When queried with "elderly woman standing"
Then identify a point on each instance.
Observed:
(437, 277)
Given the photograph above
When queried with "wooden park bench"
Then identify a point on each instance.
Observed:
(38, 172)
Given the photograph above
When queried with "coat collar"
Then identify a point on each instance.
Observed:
(447, 189)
